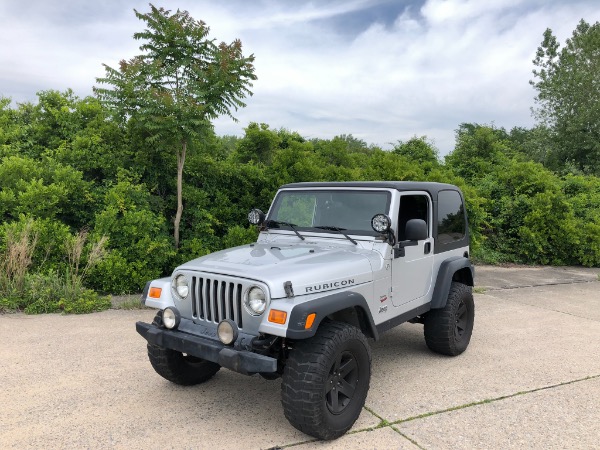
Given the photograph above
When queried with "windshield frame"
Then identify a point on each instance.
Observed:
(360, 234)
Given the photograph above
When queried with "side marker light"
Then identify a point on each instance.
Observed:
(310, 320)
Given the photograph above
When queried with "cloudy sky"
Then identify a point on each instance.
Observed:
(381, 70)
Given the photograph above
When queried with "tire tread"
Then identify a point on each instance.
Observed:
(305, 372)
(439, 323)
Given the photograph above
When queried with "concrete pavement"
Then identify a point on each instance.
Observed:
(530, 379)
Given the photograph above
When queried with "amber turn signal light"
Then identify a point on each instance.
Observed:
(277, 316)
(310, 320)
(154, 292)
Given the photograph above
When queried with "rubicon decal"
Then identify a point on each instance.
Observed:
(332, 285)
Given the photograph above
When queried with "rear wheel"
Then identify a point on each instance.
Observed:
(448, 330)
(326, 380)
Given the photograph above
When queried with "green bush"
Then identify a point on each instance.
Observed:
(116, 275)
(238, 235)
(50, 293)
(139, 246)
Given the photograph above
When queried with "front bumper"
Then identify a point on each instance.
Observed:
(241, 361)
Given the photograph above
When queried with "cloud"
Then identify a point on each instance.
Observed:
(380, 70)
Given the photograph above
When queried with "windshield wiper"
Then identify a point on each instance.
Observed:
(291, 225)
(339, 230)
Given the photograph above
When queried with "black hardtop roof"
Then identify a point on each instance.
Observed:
(432, 188)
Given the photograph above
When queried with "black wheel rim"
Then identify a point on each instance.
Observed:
(461, 319)
(341, 382)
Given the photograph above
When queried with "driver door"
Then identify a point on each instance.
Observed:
(412, 273)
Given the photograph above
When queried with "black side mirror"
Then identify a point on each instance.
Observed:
(416, 230)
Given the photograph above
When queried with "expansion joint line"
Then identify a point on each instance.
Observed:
(385, 423)
(496, 399)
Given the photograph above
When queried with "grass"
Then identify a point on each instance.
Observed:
(129, 304)
(127, 301)
(48, 290)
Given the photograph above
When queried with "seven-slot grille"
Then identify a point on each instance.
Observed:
(214, 300)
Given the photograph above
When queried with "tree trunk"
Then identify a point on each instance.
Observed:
(180, 163)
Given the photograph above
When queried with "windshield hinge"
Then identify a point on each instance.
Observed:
(289, 290)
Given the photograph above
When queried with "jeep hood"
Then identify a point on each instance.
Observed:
(310, 268)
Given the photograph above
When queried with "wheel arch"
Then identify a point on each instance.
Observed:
(346, 307)
(457, 269)
(357, 316)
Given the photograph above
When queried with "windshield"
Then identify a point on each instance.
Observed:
(315, 210)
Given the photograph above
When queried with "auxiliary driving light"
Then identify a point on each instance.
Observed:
(171, 318)
(381, 223)
(227, 332)
(256, 216)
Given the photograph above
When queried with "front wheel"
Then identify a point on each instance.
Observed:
(177, 367)
(448, 330)
(326, 380)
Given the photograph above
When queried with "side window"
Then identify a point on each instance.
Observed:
(451, 217)
(412, 207)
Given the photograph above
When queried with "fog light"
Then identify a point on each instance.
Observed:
(227, 332)
(171, 318)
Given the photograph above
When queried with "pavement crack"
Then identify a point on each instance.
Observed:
(412, 441)
(557, 283)
(544, 307)
(492, 400)
(376, 415)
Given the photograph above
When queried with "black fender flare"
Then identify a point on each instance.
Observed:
(145, 293)
(323, 307)
(459, 269)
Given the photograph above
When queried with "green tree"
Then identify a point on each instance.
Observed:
(43, 189)
(258, 144)
(478, 149)
(418, 149)
(179, 84)
(567, 82)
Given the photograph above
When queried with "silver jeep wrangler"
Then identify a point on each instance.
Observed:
(334, 264)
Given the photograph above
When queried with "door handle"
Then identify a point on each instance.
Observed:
(427, 248)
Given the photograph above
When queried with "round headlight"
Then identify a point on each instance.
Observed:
(181, 286)
(381, 223)
(227, 332)
(256, 301)
(256, 216)
(171, 318)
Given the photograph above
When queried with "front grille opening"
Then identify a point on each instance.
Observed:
(194, 306)
(239, 305)
(215, 300)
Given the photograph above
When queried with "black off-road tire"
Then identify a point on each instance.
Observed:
(178, 368)
(326, 380)
(448, 330)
